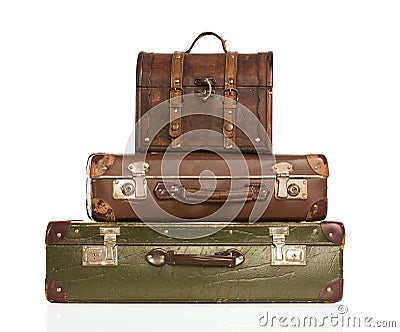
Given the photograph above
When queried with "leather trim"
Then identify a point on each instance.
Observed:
(334, 231)
(101, 210)
(56, 231)
(175, 102)
(318, 210)
(230, 98)
(318, 163)
(332, 291)
(100, 163)
(55, 292)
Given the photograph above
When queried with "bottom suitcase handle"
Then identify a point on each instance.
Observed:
(230, 258)
(165, 191)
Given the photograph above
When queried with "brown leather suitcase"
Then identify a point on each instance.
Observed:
(207, 187)
(229, 94)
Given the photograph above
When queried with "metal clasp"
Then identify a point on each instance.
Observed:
(135, 188)
(285, 187)
(283, 254)
(105, 255)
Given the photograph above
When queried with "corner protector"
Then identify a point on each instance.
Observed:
(101, 210)
(334, 231)
(56, 231)
(318, 163)
(98, 164)
(318, 210)
(55, 292)
(332, 291)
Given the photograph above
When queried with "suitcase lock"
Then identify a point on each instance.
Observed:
(102, 255)
(135, 188)
(283, 254)
(285, 187)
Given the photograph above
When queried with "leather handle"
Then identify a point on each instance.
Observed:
(229, 258)
(165, 191)
(208, 33)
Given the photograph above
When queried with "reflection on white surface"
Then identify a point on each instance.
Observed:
(194, 317)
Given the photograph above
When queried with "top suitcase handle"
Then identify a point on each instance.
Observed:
(230, 94)
(208, 33)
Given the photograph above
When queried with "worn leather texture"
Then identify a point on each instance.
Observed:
(102, 206)
(255, 280)
(252, 81)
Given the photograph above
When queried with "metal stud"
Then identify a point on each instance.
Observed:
(330, 234)
(229, 127)
(177, 80)
(175, 110)
(230, 112)
(59, 235)
(175, 126)
(166, 231)
(147, 140)
(231, 81)
(257, 140)
(58, 289)
(329, 289)
(76, 230)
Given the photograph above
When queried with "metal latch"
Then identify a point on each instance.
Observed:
(285, 187)
(282, 253)
(105, 255)
(135, 188)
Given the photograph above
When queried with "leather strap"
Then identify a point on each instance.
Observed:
(176, 100)
(230, 100)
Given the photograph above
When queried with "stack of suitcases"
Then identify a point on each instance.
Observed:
(203, 211)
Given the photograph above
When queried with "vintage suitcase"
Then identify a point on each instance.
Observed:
(131, 262)
(207, 187)
(230, 93)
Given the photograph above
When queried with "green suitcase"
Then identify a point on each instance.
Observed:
(241, 262)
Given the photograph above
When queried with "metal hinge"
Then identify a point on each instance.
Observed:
(283, 254)
(135, 188)
(285, 187)
(105, 255)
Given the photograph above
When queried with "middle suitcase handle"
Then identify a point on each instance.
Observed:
(230, 258)
(164, 191)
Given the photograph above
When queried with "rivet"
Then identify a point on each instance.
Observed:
(315, 206)
(160, 190)
(179, 145)
(229, 112)
(58, 289)
(230, 146)
(329, 289)
(76, 230)
(232, 56)
(304, 182)
(59, 235)
(175, 110)
(231, 81)
(149, 256)
(229, 127)
(304, 195)
(178, 56)
(166, 231)
(315, 231)
(230, 231)
(250, 90)
(289, 166)
(330, 234)
(177, 80)
(263, 191)
(257, 139)
(175, 126)
(316, 167)
(147, 140)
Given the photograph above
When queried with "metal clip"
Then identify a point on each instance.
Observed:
(286, 188)
(283, 254)
(105, 255)
(135, 188)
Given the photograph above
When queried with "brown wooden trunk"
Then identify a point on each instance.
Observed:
(164, 77)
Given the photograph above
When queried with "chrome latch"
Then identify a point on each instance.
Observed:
(105, 255)
(135, 188)
(282, 253)
(285, 187)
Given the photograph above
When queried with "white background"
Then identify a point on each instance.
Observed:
(67, 89)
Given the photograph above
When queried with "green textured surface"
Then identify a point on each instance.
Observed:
(135, 280)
